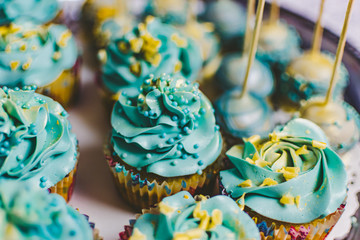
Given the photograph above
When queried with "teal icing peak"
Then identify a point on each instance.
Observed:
(150, 47)
(27, 213)
(31, 54)
(182, 215)
(168, 129)
(311, 175)
(37, 11)
(36, 143)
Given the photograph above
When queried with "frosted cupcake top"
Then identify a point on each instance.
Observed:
(168, 129)
(151, 47)
(36, 144)
(289, 177)
(31, 54)
(37, 11)
(183, 216)
(27, 213)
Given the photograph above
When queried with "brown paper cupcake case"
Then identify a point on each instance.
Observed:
(143, 190)
(65, 88)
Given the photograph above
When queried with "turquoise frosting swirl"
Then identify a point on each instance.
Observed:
(36, 143)
(37, 11)
(287, 177)
(151, 47)
(31, 54)
(27, 213)
(168, 129)
(182, 216)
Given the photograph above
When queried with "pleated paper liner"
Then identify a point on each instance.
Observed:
(65, 88)
(96, 232)
(315, 230)
(65, 187)
(143, 190)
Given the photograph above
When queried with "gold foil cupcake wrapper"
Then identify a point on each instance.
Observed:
(65, 186)
(65, 88)
(315, 230)
(141, 193)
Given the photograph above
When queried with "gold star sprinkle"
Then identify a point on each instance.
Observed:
(246, 184)
(287, 199)
(179, 41)
(14, 65)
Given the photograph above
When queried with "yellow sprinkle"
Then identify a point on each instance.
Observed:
(302, 150)
(216, 218)
(189, 234)
(245, 184)
(149, 19)
(165, 209)
(34, 48)
(102, 56)
(249, 160)
(64, 38)
(289, 172)
(8, 48)
(57, 122)
(297, 201)
(307, 131)
(178, 211)
(141, 27)
(241, 202)
(317, 144)
(27, 65)
(123, 47)
(57, 56)
(137, 235)
(178, 67)
(30, 33)
(204, 221)
(254, 139)
(14, 65)
(23, 47)
(256, 156)
(287, 199)
(136, 44)
(179, 41)
(186, 196)
(274, 137)
(268, 182)
(261, 163)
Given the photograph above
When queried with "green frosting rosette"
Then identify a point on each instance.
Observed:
(34, 55)
(287, 177)
(151, 47)
(168, 129)
(36, 144)
(37, 11)
(183, 217)
(27, 213)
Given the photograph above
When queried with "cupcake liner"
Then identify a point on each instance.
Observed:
(96, 232)
(65, 88)
(143, 190)
(65, 187)
(315, 230)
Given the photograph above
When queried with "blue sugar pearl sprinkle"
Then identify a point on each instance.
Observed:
(175, 118)
(151, 112)
(217, 127)
(175, 104)
(147, 82)
(183, 121)
(16, 88)
(64, 113)
(173, 163)
(118, 168)
(179, 146)
(148, 155)
(200, 163)
(6, 144)
(123, 93)
(199, 172)
(123, 155)
(196, 146)
(202, 111)
(184, 156)
(170, 140)
(72, 233)
(128, 102)
(146, 113)
(43, 179)
(163, 135)
(140, 100)
(2, 150)
(195, 155)
(42, 185)
(178, 153)
(179, 136)
(171, 97)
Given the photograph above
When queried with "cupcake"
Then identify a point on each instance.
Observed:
(291, 183)
(309, 76)
(151, 47)
(229, 19)
(36, 144)
(164, 140)
(339, 120)
(183, 217)
(36, 11)
(28, 213)
(45, 56)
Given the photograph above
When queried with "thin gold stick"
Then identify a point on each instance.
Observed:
(317, 38)
(339, 53)
(254, 43)
(274, 12)
(248, 30)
